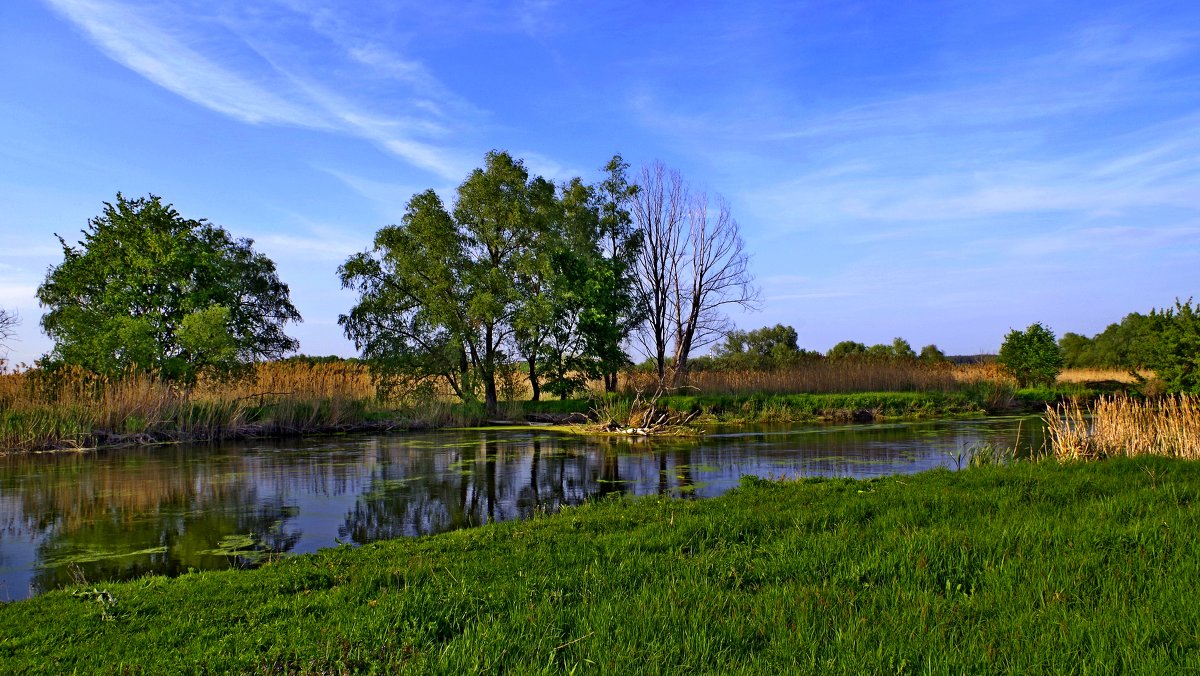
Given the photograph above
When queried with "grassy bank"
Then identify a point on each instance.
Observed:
(1033, 567)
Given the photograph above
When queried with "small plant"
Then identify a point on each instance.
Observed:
(103, 597)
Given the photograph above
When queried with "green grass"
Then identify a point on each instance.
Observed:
(1027, 568)
(735, 409)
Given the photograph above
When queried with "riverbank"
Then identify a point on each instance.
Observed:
(765, 408)
(1028, 567)
(154, 416)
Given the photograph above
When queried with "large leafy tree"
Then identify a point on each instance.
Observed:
(518, 267)
(149, 289)
(440, 294)
(615, 306)
(766, 348)
(595, 303)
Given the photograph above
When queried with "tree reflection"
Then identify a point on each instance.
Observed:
(128, 512)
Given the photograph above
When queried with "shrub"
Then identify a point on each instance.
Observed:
(1031, 356)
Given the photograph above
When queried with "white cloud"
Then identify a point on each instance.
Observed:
(173, 51)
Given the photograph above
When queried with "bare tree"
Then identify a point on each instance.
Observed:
(659, 210)
(8, 330)
(693, 265)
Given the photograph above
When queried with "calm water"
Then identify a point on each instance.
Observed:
(123, 513)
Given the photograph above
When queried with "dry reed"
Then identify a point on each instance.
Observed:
(1092, 375)
(818, 377)
(76, 408)
(1120, 426)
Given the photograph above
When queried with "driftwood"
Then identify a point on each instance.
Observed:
(646, 418)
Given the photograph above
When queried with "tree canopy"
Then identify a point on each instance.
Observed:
(148, 289)
(1175, 354)
(1031, 356)
(518, 267)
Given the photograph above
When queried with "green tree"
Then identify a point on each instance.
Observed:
(442, 294)
(1076, 350)
(146, 288)
(615, 308)
(847, 349)
(902, 350)
(931, 353)
(1175, 357)
(769, 347)
(1031, 356)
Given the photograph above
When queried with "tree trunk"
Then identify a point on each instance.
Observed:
(489, 373)
(533, 379)
(610, 381)
(489, 394)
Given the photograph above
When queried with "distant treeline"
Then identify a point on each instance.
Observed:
(776, 347)
(1128, 344)
(1165, 341)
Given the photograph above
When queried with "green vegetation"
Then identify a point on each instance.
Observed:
(148, 290)
(1175, 355)
(516, 268)
(1031, 356)
(1126, 345)
(860, 406)
(1165, 341)
(1030, 567)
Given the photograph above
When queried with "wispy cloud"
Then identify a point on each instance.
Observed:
(209, 62)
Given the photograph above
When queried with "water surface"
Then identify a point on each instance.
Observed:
(122, 513)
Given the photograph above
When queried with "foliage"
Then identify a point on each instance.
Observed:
(148, 289)
(899, 350)
(1175, 356)
(438, 294)
(518, 267)
(931, 353)
(1022, 568)
(1129, 344)
(1031, 356)
(768, 348)
(594, 306)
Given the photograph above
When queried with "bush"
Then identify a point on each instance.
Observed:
(1031, 356)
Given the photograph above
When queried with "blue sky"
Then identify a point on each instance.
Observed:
(940, 171)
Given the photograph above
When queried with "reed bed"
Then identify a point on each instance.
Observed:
(75, 408)
(817, 377)
(1120, 426)
(1092, 375)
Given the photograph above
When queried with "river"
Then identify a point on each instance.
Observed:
(123, 513)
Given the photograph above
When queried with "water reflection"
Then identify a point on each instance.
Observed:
(122, 513)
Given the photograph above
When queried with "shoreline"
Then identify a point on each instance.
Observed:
(709, 410)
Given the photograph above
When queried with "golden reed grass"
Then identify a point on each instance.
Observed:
(1120, 426)
(75, 408)
(818, 377)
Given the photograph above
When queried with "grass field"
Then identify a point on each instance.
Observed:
(1027, 568)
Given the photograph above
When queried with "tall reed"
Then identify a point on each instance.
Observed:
(1120, 426)
(73, 407)
(817, 377)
